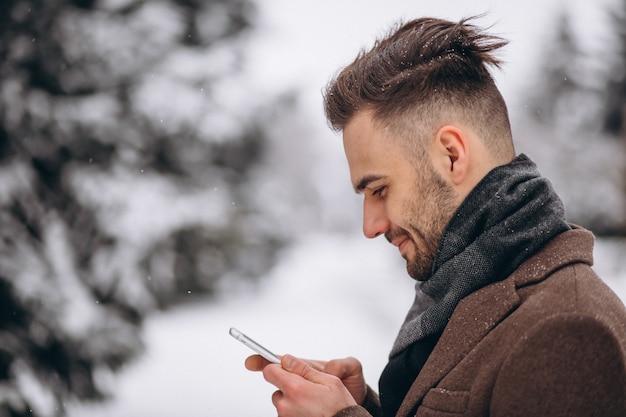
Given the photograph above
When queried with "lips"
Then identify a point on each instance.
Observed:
(400, 241)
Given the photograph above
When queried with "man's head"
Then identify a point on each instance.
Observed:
(423, 122)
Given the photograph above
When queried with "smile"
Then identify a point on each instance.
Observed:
(400, 242)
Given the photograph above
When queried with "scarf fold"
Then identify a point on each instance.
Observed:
(504, 220)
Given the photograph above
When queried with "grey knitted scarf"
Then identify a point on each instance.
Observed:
(506, 218)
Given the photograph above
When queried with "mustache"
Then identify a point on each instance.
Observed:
(391, 235)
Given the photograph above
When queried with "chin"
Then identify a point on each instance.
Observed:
(416, 273)
(420, 271)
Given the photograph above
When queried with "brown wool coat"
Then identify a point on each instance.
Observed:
(550, 340)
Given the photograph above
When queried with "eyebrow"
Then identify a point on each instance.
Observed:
(365, 181)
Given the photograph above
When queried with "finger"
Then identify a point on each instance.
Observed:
(315, 364)
(343, 368)
(350, 372)
(302, 368)
(335, 367)
(277, 396)
(256, 363)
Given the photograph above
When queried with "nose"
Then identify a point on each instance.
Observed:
(375, 221)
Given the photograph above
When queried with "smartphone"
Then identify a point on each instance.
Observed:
(253, 345)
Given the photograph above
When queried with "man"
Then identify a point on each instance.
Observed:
(509, 319)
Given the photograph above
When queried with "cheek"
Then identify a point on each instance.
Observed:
(411, 213)
(400, 212)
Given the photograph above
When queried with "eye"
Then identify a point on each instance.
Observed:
(379, 192)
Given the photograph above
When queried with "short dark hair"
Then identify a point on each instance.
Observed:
(427, 70)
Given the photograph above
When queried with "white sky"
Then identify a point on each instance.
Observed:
(306, 41)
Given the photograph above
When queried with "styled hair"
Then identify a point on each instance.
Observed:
(426, 73)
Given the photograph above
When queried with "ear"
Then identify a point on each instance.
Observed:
(451, 152)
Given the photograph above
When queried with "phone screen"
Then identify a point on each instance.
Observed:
(254, 345)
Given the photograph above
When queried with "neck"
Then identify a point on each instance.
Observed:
(510, 214)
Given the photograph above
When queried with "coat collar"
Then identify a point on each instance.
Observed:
(481, 311)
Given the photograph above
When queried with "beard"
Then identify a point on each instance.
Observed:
(427, 213)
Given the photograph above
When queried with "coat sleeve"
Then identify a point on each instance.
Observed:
(369, 408)
(565, 366)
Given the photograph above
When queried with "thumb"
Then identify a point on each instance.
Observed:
(302, 368)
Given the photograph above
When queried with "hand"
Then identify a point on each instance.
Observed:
(348, 370)
(305, 389)
(256, 362)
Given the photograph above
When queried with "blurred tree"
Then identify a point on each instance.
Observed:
(562, 130)
(129, 141)
(560, 80)
(615, 86)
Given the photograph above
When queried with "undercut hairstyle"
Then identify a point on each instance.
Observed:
(426, 73)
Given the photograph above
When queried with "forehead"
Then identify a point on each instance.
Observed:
(371, 150)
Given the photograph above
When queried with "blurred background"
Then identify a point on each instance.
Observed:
(166, 172)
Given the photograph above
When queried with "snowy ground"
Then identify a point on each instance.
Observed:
(331, 296)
